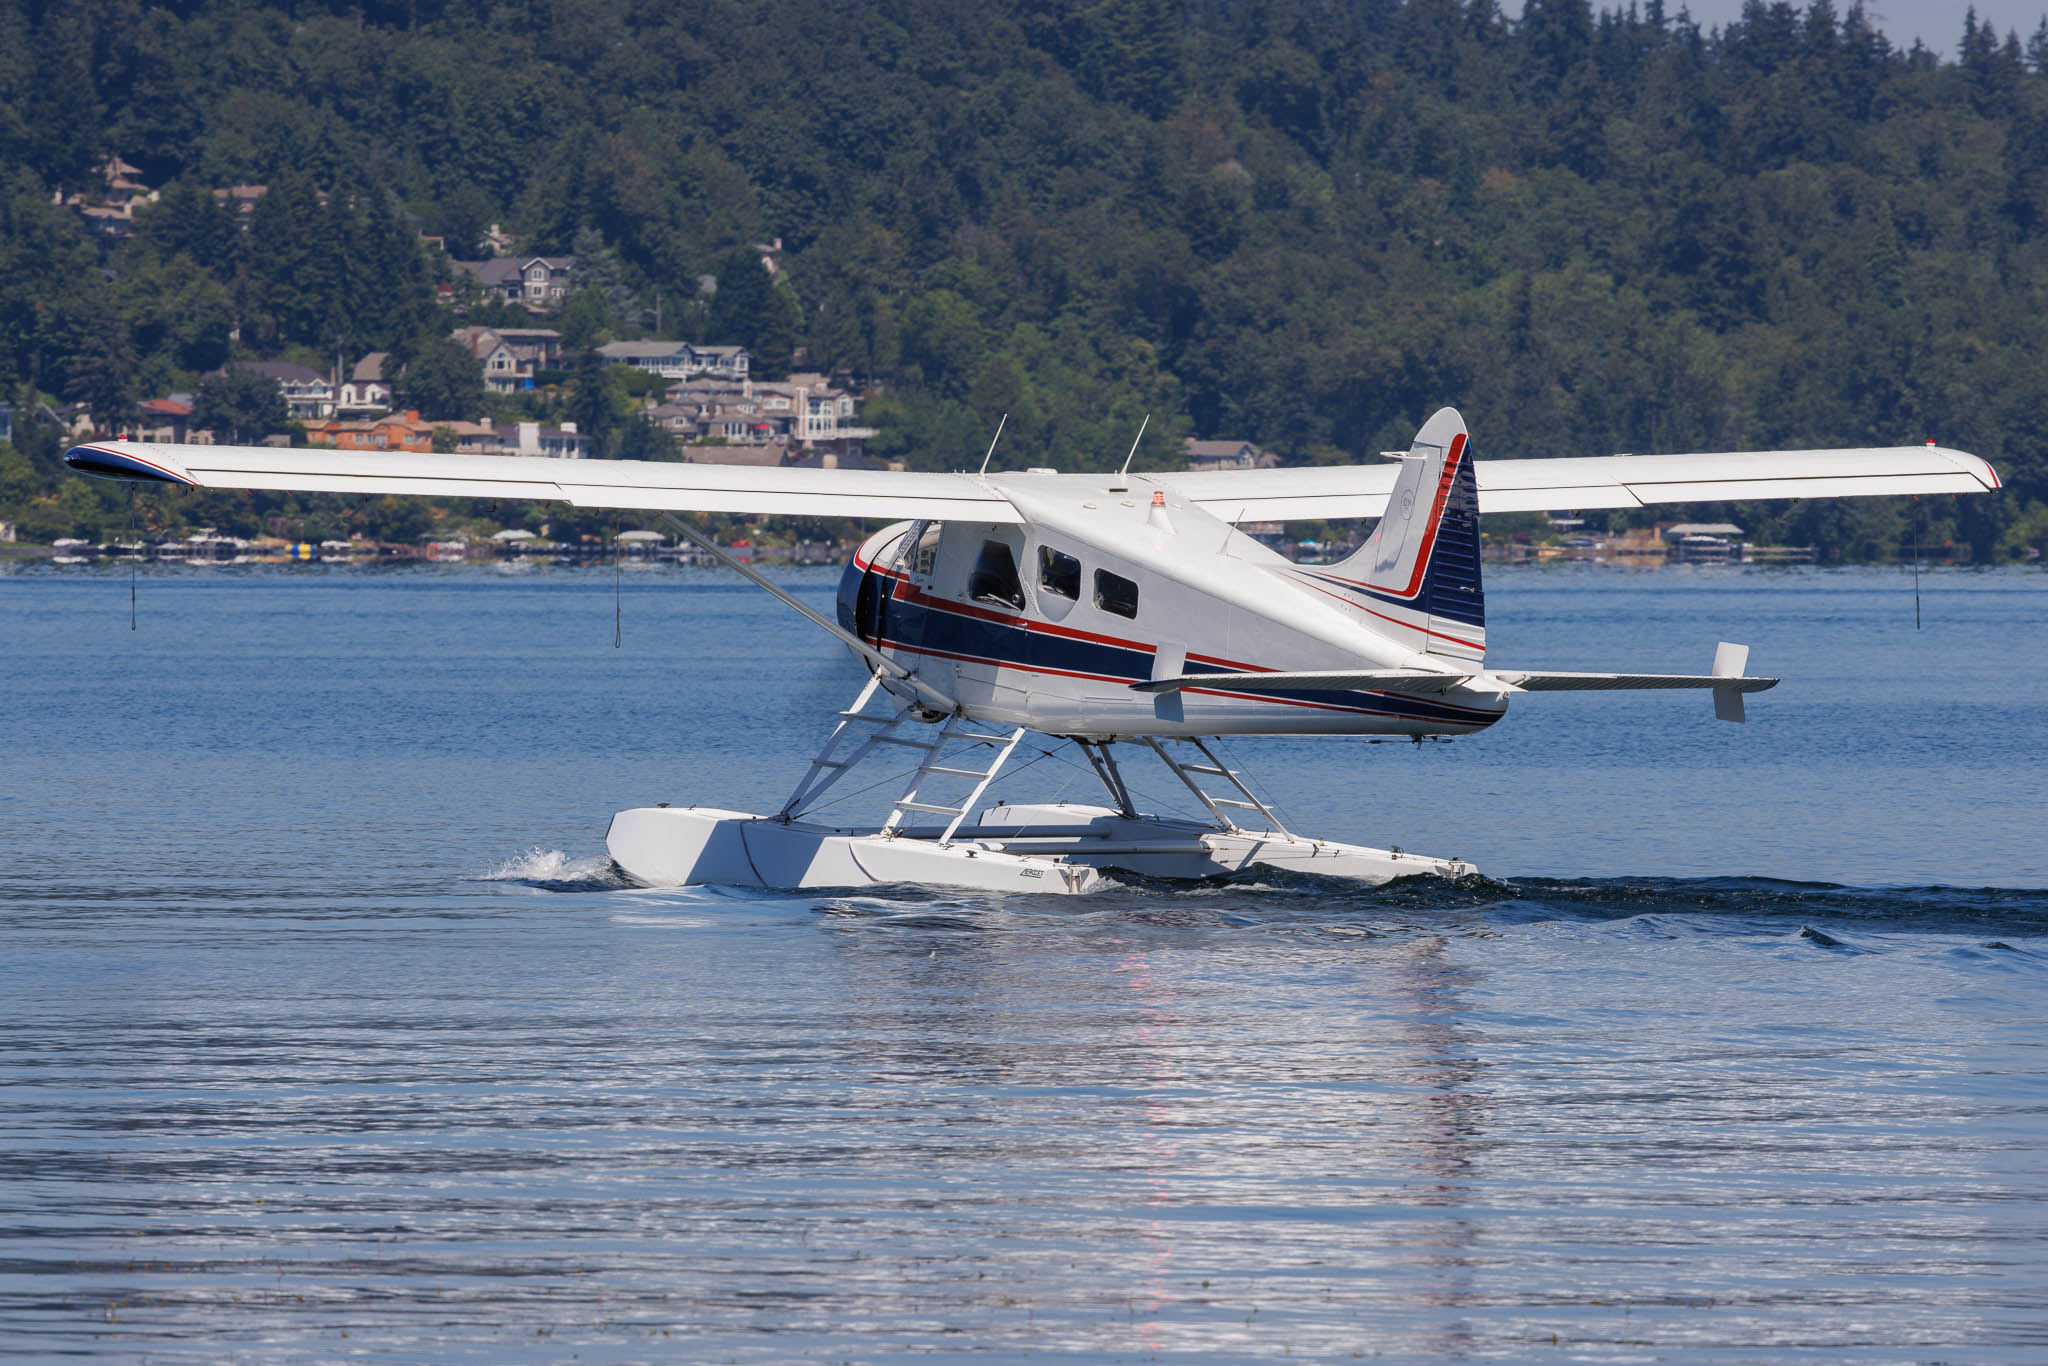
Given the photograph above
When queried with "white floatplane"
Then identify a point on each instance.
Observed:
(1123, 613)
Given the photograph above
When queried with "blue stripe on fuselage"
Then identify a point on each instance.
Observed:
(918, 627)
(915, 625)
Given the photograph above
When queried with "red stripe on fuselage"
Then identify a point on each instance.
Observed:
(905, 591)
(1266, 698)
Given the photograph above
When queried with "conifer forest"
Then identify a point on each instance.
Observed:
(1302, 223)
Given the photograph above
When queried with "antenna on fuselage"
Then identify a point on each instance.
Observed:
(992, 442)
(1125, 471)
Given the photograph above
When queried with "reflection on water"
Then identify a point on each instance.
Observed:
(302, 1059)
(1222, 1124)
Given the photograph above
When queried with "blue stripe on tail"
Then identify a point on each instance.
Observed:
(1450, 585)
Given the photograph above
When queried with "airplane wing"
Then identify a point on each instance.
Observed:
(649, 485)
(1618, 481)
(1580, 483)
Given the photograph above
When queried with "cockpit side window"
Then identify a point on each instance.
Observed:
(1059, 573)
(928, 549)
(1115, 593)
(995, 578)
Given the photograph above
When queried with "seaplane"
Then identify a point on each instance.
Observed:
(1125, 614)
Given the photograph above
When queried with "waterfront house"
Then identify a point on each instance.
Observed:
(397, 432)
(501, 368)
(306, 392)
(367, 389)
(242, 199)
(1226, 455)
(518, 438)
(166, 419)
(669, 359)
(109, 209)
(679, 360)
(724, 362)
(510, 357)
(536, 348)
(537, 283)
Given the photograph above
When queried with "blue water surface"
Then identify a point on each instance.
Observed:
(328, 1034)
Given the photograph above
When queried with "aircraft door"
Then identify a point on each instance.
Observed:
(898, 612)
(867, 606)
(865, 588)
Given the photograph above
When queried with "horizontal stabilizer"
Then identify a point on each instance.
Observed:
(1338, 680)
(1541, 681)
(1727, 680)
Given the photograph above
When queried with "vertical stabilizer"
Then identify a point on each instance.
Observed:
(1416, 578)
(1729, 662)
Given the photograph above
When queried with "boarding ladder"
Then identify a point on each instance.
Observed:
(1209, 766)
(938, 763)
(869, 730)
(861, 732)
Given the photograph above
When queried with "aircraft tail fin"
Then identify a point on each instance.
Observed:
(1417, 576)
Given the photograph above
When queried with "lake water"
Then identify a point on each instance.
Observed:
(326, 1033)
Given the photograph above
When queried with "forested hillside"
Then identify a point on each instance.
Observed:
(1299, 222)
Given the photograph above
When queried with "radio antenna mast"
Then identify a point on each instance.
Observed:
(1125, 471)
(992, 442)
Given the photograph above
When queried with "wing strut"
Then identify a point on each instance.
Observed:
(926, 693)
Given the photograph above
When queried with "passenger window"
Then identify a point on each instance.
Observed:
(1058, 573)
(928, 549)
(995, 576)
(1115, 593)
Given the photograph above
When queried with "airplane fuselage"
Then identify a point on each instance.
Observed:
(1110, 581)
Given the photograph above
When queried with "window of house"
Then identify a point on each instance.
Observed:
(1059, 573)
(1115, 593)
(994, 579)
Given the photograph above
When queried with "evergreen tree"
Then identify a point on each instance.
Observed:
(90, 359)
(285, 284)
(187, 219)
(586, 323)
(640, 439)
(754, 310)
(442, 380)
(595, 400)
(240, 407)
(601, 271)
(387, 291)
(64, 137)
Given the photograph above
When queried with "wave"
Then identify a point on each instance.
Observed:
(557, 871)
(1272, 897)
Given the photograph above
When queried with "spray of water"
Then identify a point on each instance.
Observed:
(554, 868)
